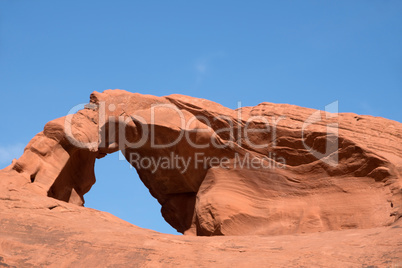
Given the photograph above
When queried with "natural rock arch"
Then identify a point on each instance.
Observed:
(288, 191)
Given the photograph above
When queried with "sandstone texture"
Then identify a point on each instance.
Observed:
(275, 184)
(41, 232)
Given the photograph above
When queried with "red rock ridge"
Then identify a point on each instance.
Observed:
(303, 193)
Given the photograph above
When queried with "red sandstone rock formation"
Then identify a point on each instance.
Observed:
(272, 169)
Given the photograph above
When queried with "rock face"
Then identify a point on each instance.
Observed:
(36, 231)
(272, 169)
(326, 185)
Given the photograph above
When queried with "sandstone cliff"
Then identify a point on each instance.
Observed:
(272, 169)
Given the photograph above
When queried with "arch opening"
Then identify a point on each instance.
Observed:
(119, 191)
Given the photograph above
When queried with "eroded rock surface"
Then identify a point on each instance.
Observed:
(36, 231)
(281, 169)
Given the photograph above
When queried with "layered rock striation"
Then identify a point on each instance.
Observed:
(272, 169)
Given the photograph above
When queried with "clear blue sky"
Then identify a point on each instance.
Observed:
(53, 54)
